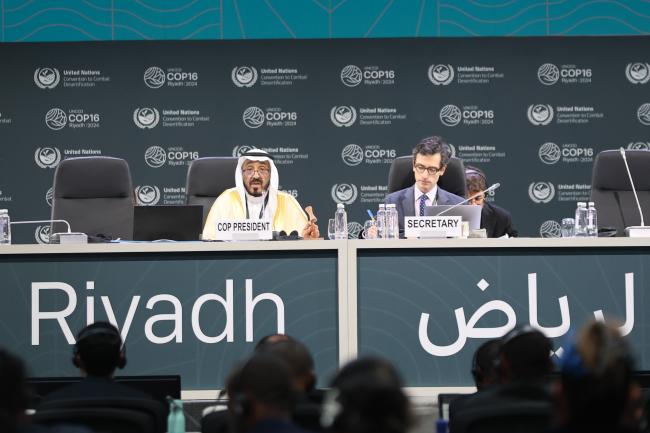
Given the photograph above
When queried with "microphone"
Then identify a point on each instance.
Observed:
(491, 188)
(68, 237)
(641, 231)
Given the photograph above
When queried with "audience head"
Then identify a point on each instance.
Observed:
(14, 395)
(259, 389)
(476, 182)
(297, 357)
(99, 350)
(596, 390)
(270, 339)
(484, 363)
(524, 355)
(366, 396)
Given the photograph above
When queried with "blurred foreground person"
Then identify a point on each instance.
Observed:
(596, 392)
(366, 396)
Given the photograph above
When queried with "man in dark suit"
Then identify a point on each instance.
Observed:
(496, 221)
(430, 158)
(98, 352)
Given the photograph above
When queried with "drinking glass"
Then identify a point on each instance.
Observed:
(369, 230)
(568, 227)
(331, 228)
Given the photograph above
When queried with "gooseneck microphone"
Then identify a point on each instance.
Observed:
(41, 222)
(491, 188)
(641, 231)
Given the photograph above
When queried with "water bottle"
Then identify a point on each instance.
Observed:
(592, 220)
(381, 221)
(442, 425)
(5, 228)
(176, 418)
(340, 222)
(581, 220)
(392, 224)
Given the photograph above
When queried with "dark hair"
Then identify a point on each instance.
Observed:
(475, 179)
(270, 339)
(596, 378)
(369, 399)
(13, 398)
(431, 146)
(99, 346)
(294, 354)
(263, 379)
(527, 352)
(484, 363)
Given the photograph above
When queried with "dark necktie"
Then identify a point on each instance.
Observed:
(423, 199)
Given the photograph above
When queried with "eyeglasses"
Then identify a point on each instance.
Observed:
(248, 172)
(478, 199)
(432, 171)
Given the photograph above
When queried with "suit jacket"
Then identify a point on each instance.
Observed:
(404, 201)
(95, 387)
(496, 221)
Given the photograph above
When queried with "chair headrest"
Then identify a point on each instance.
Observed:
(610, 174)
(209, 176)
(93, 177)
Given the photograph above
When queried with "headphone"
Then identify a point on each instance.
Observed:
(514, 333)
(473, 171)
(99, 328)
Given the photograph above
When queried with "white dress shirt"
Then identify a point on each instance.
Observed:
(430, 201)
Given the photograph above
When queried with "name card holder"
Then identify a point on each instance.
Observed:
(433, 227)
(244, 230)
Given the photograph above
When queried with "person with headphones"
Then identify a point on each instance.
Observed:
(98, 352)
(523, 365)
(261, 396)
(496, 221)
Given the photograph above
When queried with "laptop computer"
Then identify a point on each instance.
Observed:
(469, 212)
(176, 223)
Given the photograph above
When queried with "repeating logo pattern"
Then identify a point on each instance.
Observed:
(56, 119)
(253, 117)
(47, 78)
(352, 155)
(540, 114)
(147, 195)
(155, 156)
(549, 153)
(351, 75)
(548, 74)
(354, 230)
(244, 76)
(541, 192)
(154, 77)
(441, 75)
(550, 229)
(343, 115)
(450, 115)
(638, 73)
(42, 234)
(49, 196)
(146, 117)
(345, 193)
(639, 145)
(643, 114)
(47, 157)
(238, 151)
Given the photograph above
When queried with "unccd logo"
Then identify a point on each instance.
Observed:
(47, 157)
(540, 114)
(154, 77)
(47, 78)
(638, 73)
(244, 76)
(441, 74)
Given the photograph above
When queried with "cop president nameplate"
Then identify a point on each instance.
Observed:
(433, 227)
(244, 230)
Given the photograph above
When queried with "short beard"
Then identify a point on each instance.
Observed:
(258, 193)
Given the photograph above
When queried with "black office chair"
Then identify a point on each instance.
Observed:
(99, 420)
(401, 175)
(153, 410)
(510, 417)
(611, 190)
(207, 178)
(95, 195)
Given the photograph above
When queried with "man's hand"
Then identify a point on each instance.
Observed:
(310, 231)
